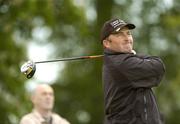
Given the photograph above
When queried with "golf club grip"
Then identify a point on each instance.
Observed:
(70, 59)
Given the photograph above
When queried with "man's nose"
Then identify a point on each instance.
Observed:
(48, 96)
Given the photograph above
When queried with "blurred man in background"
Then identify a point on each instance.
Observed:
(128, 77)
(43, 101)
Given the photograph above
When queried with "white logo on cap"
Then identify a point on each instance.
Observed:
(116, 23)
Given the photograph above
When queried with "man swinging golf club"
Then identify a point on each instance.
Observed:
(128, 77)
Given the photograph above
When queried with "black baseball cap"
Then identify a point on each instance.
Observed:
(113, 26)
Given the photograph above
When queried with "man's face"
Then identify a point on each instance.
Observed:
(43, 97)
(120, 42)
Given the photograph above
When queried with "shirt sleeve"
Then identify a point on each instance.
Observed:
(26, 120)
(59, 120)
(143, 71)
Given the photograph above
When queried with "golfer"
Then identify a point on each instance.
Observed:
(128, 77)
(43, 101)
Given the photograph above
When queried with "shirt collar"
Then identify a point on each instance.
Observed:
(111, 52)
(38, 116)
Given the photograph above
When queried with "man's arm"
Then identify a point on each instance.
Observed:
(143, 71)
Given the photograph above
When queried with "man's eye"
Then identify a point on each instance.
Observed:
(129, 33)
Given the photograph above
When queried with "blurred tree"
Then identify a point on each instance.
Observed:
(11, 54)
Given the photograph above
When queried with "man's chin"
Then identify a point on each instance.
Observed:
(48, 107)
(127, 51)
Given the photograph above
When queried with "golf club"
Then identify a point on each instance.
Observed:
(29, 68)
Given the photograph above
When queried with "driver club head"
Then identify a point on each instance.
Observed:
(28, 69)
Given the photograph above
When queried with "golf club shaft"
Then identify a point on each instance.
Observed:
(69, 59)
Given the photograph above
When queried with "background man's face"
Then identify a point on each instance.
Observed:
(43, 98)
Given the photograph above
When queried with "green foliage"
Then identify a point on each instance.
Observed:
(78, 89)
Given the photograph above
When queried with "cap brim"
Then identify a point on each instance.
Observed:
(128, 25)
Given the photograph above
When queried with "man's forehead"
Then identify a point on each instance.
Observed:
(43, 88)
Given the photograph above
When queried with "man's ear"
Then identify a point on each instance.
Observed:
(106, 43)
